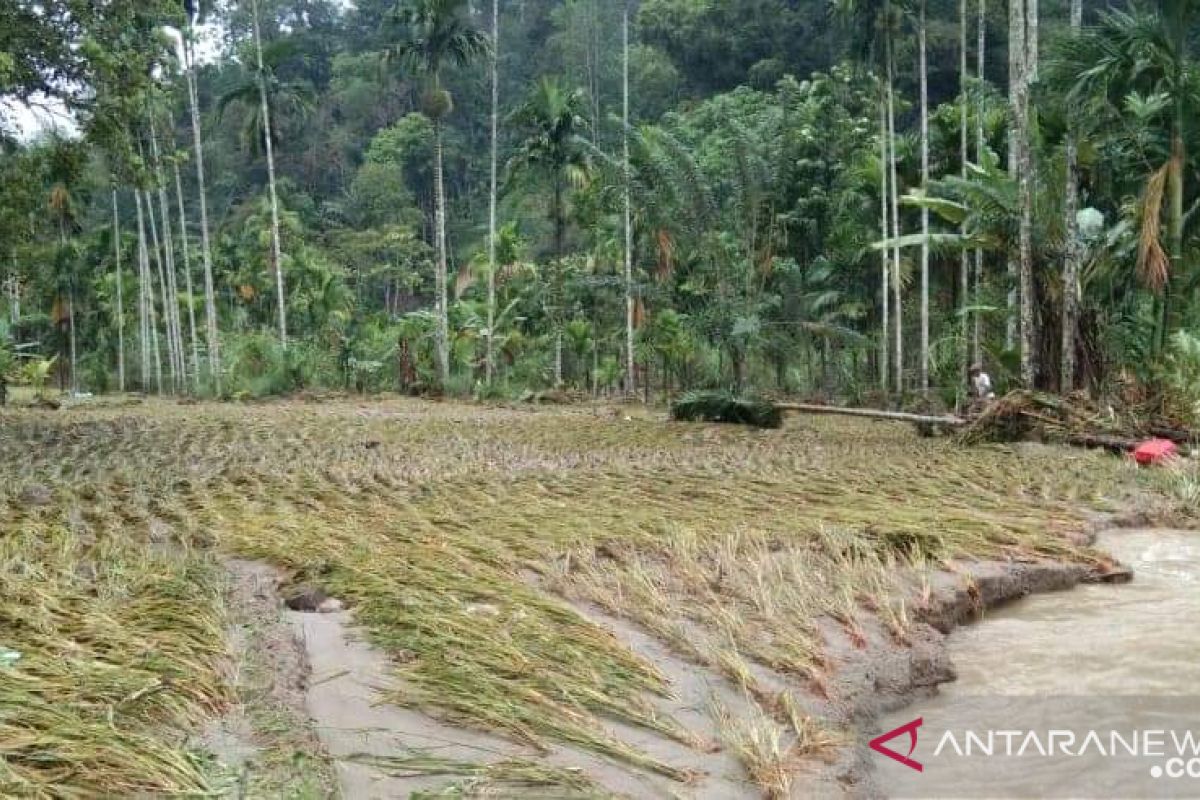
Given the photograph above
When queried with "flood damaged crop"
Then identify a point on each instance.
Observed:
(466, 541)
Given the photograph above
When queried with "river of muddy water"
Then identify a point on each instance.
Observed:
(1037, 676)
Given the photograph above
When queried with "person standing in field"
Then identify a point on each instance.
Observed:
(981, 384)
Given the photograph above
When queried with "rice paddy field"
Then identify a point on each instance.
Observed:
(466, 540)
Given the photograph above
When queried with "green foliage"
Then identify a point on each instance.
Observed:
(754, 176)
(259, 367)
(1181, 377)
(724, 406)
(35, 373)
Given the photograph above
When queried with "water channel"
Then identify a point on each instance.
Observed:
(1036, 677)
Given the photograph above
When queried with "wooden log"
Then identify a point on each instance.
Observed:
(1175, 435)
(948, 420)
(1113, 444)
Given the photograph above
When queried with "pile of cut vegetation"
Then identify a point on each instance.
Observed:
(723, 406)
(1074, 419)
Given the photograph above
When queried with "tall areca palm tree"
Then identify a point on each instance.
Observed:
(1071, 256)
(554, 150)
(964, 155)
(116, 236)
(437, 34)
(980, 146)
(212, 333)
(630, 385)
(262, 92)
(1016, 71)
(492, 197)
(924, 210)
(276, 254)
(873, 25)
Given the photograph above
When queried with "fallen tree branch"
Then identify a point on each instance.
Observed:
(1113, 444)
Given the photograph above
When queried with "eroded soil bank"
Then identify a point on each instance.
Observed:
(331, 683)
(1099, 658)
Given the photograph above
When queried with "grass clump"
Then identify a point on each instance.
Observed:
(724, 406)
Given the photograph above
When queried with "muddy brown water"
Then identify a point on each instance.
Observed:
(1119, 660)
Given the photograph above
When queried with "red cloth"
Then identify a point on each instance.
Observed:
(1155, 451)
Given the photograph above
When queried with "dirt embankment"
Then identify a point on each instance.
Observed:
(884, 674)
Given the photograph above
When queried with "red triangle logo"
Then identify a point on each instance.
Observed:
(877, 744)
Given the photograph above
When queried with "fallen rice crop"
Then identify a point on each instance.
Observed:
(505, 778)
(457, 534)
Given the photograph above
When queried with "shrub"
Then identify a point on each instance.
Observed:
(1181, 378)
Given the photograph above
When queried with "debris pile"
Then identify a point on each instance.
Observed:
(1074, 419)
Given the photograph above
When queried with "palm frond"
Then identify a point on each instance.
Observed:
(1153, 265)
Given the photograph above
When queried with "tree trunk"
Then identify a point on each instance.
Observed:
(162, 288)
(1175, 174)
(187, 280)
(1032, 43)
(558, 359)
(276, 250)
(898, 343)
(212, 334)
(964, 264)
(443, 319)
(151, 316)
(1029, 366)
(143, 310)
(924, 210)
(1016, 73)
(559, 212)
(870, 413)
(13, 286)
(71, 322)
(629, 304)
(1071, 289)
(980, 144)
(174, 328)
(491, 296)
(885, 226)
(120, 297)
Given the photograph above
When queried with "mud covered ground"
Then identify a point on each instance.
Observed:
(529, 602)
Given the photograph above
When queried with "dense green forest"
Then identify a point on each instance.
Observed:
(852, 199)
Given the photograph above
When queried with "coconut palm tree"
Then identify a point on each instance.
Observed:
(437, 34)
